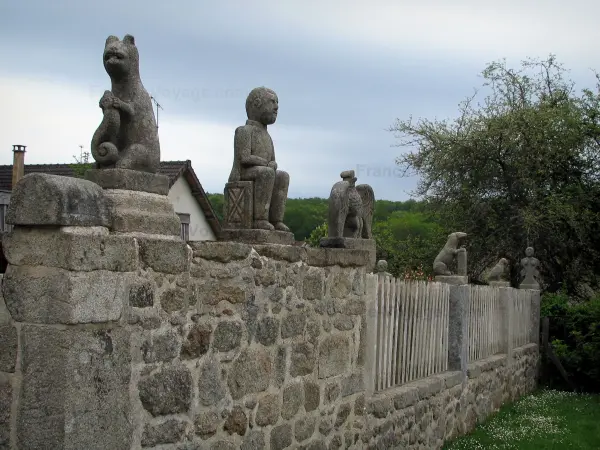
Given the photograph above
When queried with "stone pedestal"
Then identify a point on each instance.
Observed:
(461, 263)
(254, 236)
(137, 202)
(129, 180)
(534, 286)
(65, 354)
(456, 280)
(499, 283)
(352, 244)
(238, 205)
(141, 212)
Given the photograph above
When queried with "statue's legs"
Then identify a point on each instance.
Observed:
(264, 181)
(279, 197)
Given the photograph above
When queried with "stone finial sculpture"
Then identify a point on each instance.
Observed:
(382, 268)
(351, 216)
(256, 192)
(530, 271)
(127, 137)
(451, 250)
(497, 276)
(351, 208)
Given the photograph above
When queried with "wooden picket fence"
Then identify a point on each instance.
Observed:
(412, 330)
(486, 336)
(408, 327)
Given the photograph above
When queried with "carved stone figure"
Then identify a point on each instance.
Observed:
(498, 273)
(127, 137)
(256, 193)
(451, 250)
(382, 268)
(530, 271)
(497, 276)
(351, 208)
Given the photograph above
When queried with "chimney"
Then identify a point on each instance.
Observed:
(18, 164)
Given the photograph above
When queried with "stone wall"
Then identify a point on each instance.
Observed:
(261, 351)
(425, 413)
(137, 342)
(130, 339)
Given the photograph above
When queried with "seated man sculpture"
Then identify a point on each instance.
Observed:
(254, 160)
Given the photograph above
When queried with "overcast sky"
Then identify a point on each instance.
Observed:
(343, 71)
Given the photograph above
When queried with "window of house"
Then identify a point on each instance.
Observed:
(185, 226)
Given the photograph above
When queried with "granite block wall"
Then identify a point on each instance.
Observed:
(214, 345)
(426, 413)
(125, 341)
(258, 348)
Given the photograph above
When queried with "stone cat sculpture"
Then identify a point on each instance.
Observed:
(127, 137)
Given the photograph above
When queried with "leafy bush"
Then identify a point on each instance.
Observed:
(575, 337)
(314, 239)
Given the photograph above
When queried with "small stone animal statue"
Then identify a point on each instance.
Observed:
(498, 273)
(351, 208)
(448, 253)
(127, 137)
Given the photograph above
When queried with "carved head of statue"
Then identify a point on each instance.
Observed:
(121, 58)
(382, 265)
(529, 252)
(349, 176)
(262, 105)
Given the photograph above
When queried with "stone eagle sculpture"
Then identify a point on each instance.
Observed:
(351, 208)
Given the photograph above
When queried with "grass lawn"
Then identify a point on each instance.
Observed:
(544, 420)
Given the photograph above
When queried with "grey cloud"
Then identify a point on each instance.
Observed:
(201, 61)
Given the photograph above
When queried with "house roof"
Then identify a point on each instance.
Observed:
(172, 169)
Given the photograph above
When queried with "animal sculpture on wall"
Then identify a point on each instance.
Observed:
(351, 208)
(127, 137)
(447, 254)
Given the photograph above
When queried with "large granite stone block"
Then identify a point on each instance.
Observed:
(42, 199)
(8, 349)
(165, 255)
(6, 399)
(256, 236)
(141, 212)
(75, 389)
(71, 248)
(38, 294)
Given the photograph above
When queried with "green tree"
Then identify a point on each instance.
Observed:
(216, 201)
(518, 166)
(80, 169)
(408, 241)
(303, 215)
(314, 239)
